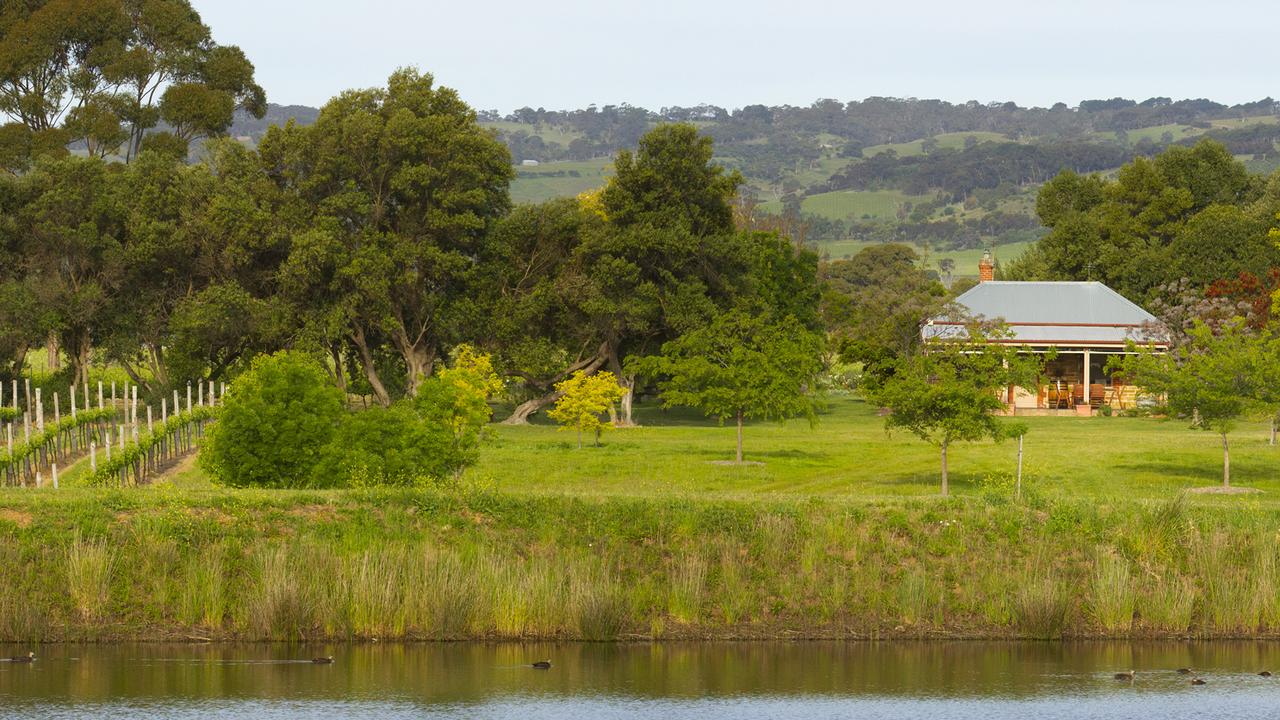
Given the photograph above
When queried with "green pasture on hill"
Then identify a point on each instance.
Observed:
(966, 261)
(548, 181)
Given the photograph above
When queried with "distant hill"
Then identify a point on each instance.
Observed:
(947, 176)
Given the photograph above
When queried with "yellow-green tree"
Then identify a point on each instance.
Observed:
(583, 399)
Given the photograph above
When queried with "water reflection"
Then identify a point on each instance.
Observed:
(813, 680)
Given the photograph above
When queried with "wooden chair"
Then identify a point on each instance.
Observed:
(1097, 394)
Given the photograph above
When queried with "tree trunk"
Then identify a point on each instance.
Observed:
(52, 351)
(520, 416)
(419, 359)
(628, 384)
(1273, 431)
(371, 372)
(579, 436)
(1226, 462)
(739, 456)
(945, 487)
(79, 348)
(339, 375)
(628, 397)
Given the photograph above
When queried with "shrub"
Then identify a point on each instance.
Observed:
(433, 437)
(386, 446)
(276, 420)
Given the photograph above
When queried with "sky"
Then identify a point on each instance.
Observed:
(566, 54)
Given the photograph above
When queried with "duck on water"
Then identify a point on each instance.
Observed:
(29, 657)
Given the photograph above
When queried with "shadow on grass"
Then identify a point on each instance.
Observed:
(1199, 473)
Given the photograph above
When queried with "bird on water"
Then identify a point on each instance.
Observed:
(1197, 681)
(326, 660)
(1265, 673)
(542, 665)
(1184, 671)
(29, 657)
(1124, 675)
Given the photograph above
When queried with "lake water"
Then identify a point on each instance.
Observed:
(813, 681)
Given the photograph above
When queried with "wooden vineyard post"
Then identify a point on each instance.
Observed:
(55, 476)
(100, 405)
(57, 411)
(26, 385)
(188, 397)
(200, 393)
(93, 457)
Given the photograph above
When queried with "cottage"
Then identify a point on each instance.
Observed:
(1084, 323)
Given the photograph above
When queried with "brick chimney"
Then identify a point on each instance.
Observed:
(986, 267)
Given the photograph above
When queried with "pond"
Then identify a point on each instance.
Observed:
(814, 681)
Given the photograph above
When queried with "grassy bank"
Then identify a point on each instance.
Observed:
(160, 563)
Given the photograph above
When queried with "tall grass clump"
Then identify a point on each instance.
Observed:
(601, 610)
(1041, 607)
(276, 606)
(686, 586)
(1111, 593)
(89, 566)
(448, 597)
(1168, 603)
(202, 598)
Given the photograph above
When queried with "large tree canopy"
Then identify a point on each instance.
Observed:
(106, 72)
(404, 185)
(1188, 212)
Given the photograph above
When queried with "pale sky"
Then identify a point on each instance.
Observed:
(564, 54)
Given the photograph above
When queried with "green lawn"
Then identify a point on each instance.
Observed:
(559, 179)
(848, 455)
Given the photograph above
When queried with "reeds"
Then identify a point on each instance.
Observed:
(516, 569)
(88, 569)
(1111, 594)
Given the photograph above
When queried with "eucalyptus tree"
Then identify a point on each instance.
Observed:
(405, 184)
(108, 71)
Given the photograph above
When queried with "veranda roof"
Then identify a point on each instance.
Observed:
(1052, 313)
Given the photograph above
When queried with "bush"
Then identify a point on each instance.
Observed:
(276, 421)
(386, 446)
(431, 438)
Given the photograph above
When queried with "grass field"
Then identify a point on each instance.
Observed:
(838, 533)
(556, 134)
(559, 179)
(843, 204)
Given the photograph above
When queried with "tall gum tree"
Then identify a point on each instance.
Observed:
(406, 185)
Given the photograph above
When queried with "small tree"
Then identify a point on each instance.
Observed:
(950, 391)
(583, 399)
(741, 366)
(1213, 378)
(274, 424)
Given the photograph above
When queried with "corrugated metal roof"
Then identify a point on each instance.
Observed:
(1058, 313)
